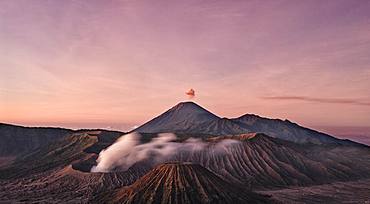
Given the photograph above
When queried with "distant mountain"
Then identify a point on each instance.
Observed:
(286, 130)
(59, 153)
(16, 140)
(181, 183)
(190, 118)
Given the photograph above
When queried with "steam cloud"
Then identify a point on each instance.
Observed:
(190, 93)
(128, 150)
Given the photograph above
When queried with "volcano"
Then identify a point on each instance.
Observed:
(181, 183)
(190, 118)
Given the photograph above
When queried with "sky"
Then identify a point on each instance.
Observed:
(117, 64)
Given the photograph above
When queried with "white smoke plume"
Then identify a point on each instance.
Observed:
(190, 93)
(128, 150)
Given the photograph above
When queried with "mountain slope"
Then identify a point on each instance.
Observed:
(286, 130)
(59, 153)
(60, 171)
(260, 161)
(17, 140)
(188, 117)
(335, 193)
(181, 183)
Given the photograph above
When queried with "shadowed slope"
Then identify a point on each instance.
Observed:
(60, 153)
(334, 193)
(60, 172)
(182, 183)
(17, 140)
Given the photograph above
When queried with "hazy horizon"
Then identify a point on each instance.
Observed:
(356, 133)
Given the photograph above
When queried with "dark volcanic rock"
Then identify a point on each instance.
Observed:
(60, 172)
(335, 193)
(181, 183)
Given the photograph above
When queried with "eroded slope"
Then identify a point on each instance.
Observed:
(181, 183)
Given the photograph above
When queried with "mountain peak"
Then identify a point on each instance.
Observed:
(191, 108)
(187, 103)
(183, 117)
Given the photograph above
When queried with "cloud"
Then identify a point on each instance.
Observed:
(190, 93)
(128, 150)
(319, 100)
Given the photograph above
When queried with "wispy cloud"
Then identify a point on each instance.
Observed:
(319, 100)
(69, 61)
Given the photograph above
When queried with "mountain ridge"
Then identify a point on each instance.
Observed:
(189, 118)
(16, 140)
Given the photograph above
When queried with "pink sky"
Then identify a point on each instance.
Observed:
(120, 63)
